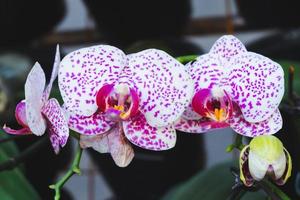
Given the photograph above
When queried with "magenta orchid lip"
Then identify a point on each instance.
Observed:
(215, 107)
(115, 105)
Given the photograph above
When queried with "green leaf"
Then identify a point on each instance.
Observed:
(214, 183)
(8, 147)
(13, 184)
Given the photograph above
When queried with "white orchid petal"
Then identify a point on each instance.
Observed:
(279, 166)
(53, 75)
(207, 72)
(34, 88)
(83, 72)
(140, 133)
(227, 47)
(267, 127)
(163, 85)
(256, 85)
(258, 167)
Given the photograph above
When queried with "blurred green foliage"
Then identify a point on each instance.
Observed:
(212, 184)
(286, 64)
(13, 184)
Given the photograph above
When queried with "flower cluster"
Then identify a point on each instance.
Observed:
(114, 100)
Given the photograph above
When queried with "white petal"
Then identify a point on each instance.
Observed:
(34, 88)
(227, 47)
(257, 167)
(279, 166)
(163, 85)
(53, 75)
(83, 72)
(256, 84)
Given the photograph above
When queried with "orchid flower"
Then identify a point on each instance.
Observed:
(234, 88)
(112, 98)
(265, 155)
(37, 112)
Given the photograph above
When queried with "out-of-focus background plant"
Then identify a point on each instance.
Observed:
(30, 31)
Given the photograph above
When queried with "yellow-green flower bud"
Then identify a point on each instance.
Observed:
(265, 155)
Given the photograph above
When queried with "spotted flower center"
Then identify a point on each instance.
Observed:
(214, 104)
(118, 102)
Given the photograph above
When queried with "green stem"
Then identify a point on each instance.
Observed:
(75, 135)
(276, 190)
(238, 144)
(237, 193)
(186, 59)
(74, 169)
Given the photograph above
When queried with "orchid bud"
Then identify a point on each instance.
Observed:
(265, 156)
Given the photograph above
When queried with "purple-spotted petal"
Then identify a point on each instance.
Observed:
(57, 124)
(140, 133)
(256, 85)
(269, 126)
(112, 142)
(207, 72)
(92, 125)
(163, 85)
(34, 88)
(22, 131)
(199, 126)
(53, 75)
(190, 114)
(83, 72)
(227, 47)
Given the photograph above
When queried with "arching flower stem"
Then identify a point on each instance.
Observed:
(74, 169)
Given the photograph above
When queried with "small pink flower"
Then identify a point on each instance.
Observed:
(234, 88)
(112, 98)
(37, 112)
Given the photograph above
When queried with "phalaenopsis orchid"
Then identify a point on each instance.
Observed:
(236, 88)
(113, 98)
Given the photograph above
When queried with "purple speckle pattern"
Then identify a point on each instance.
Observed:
(227, 47)
(207, 72)
(57, 125)
(92, 125)
(190, 114)
(164, 87)
(199, 126)
(266, 127)
(256, 84)
(83, 72)
(140, 133)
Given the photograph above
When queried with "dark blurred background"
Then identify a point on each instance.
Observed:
(30, 30)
